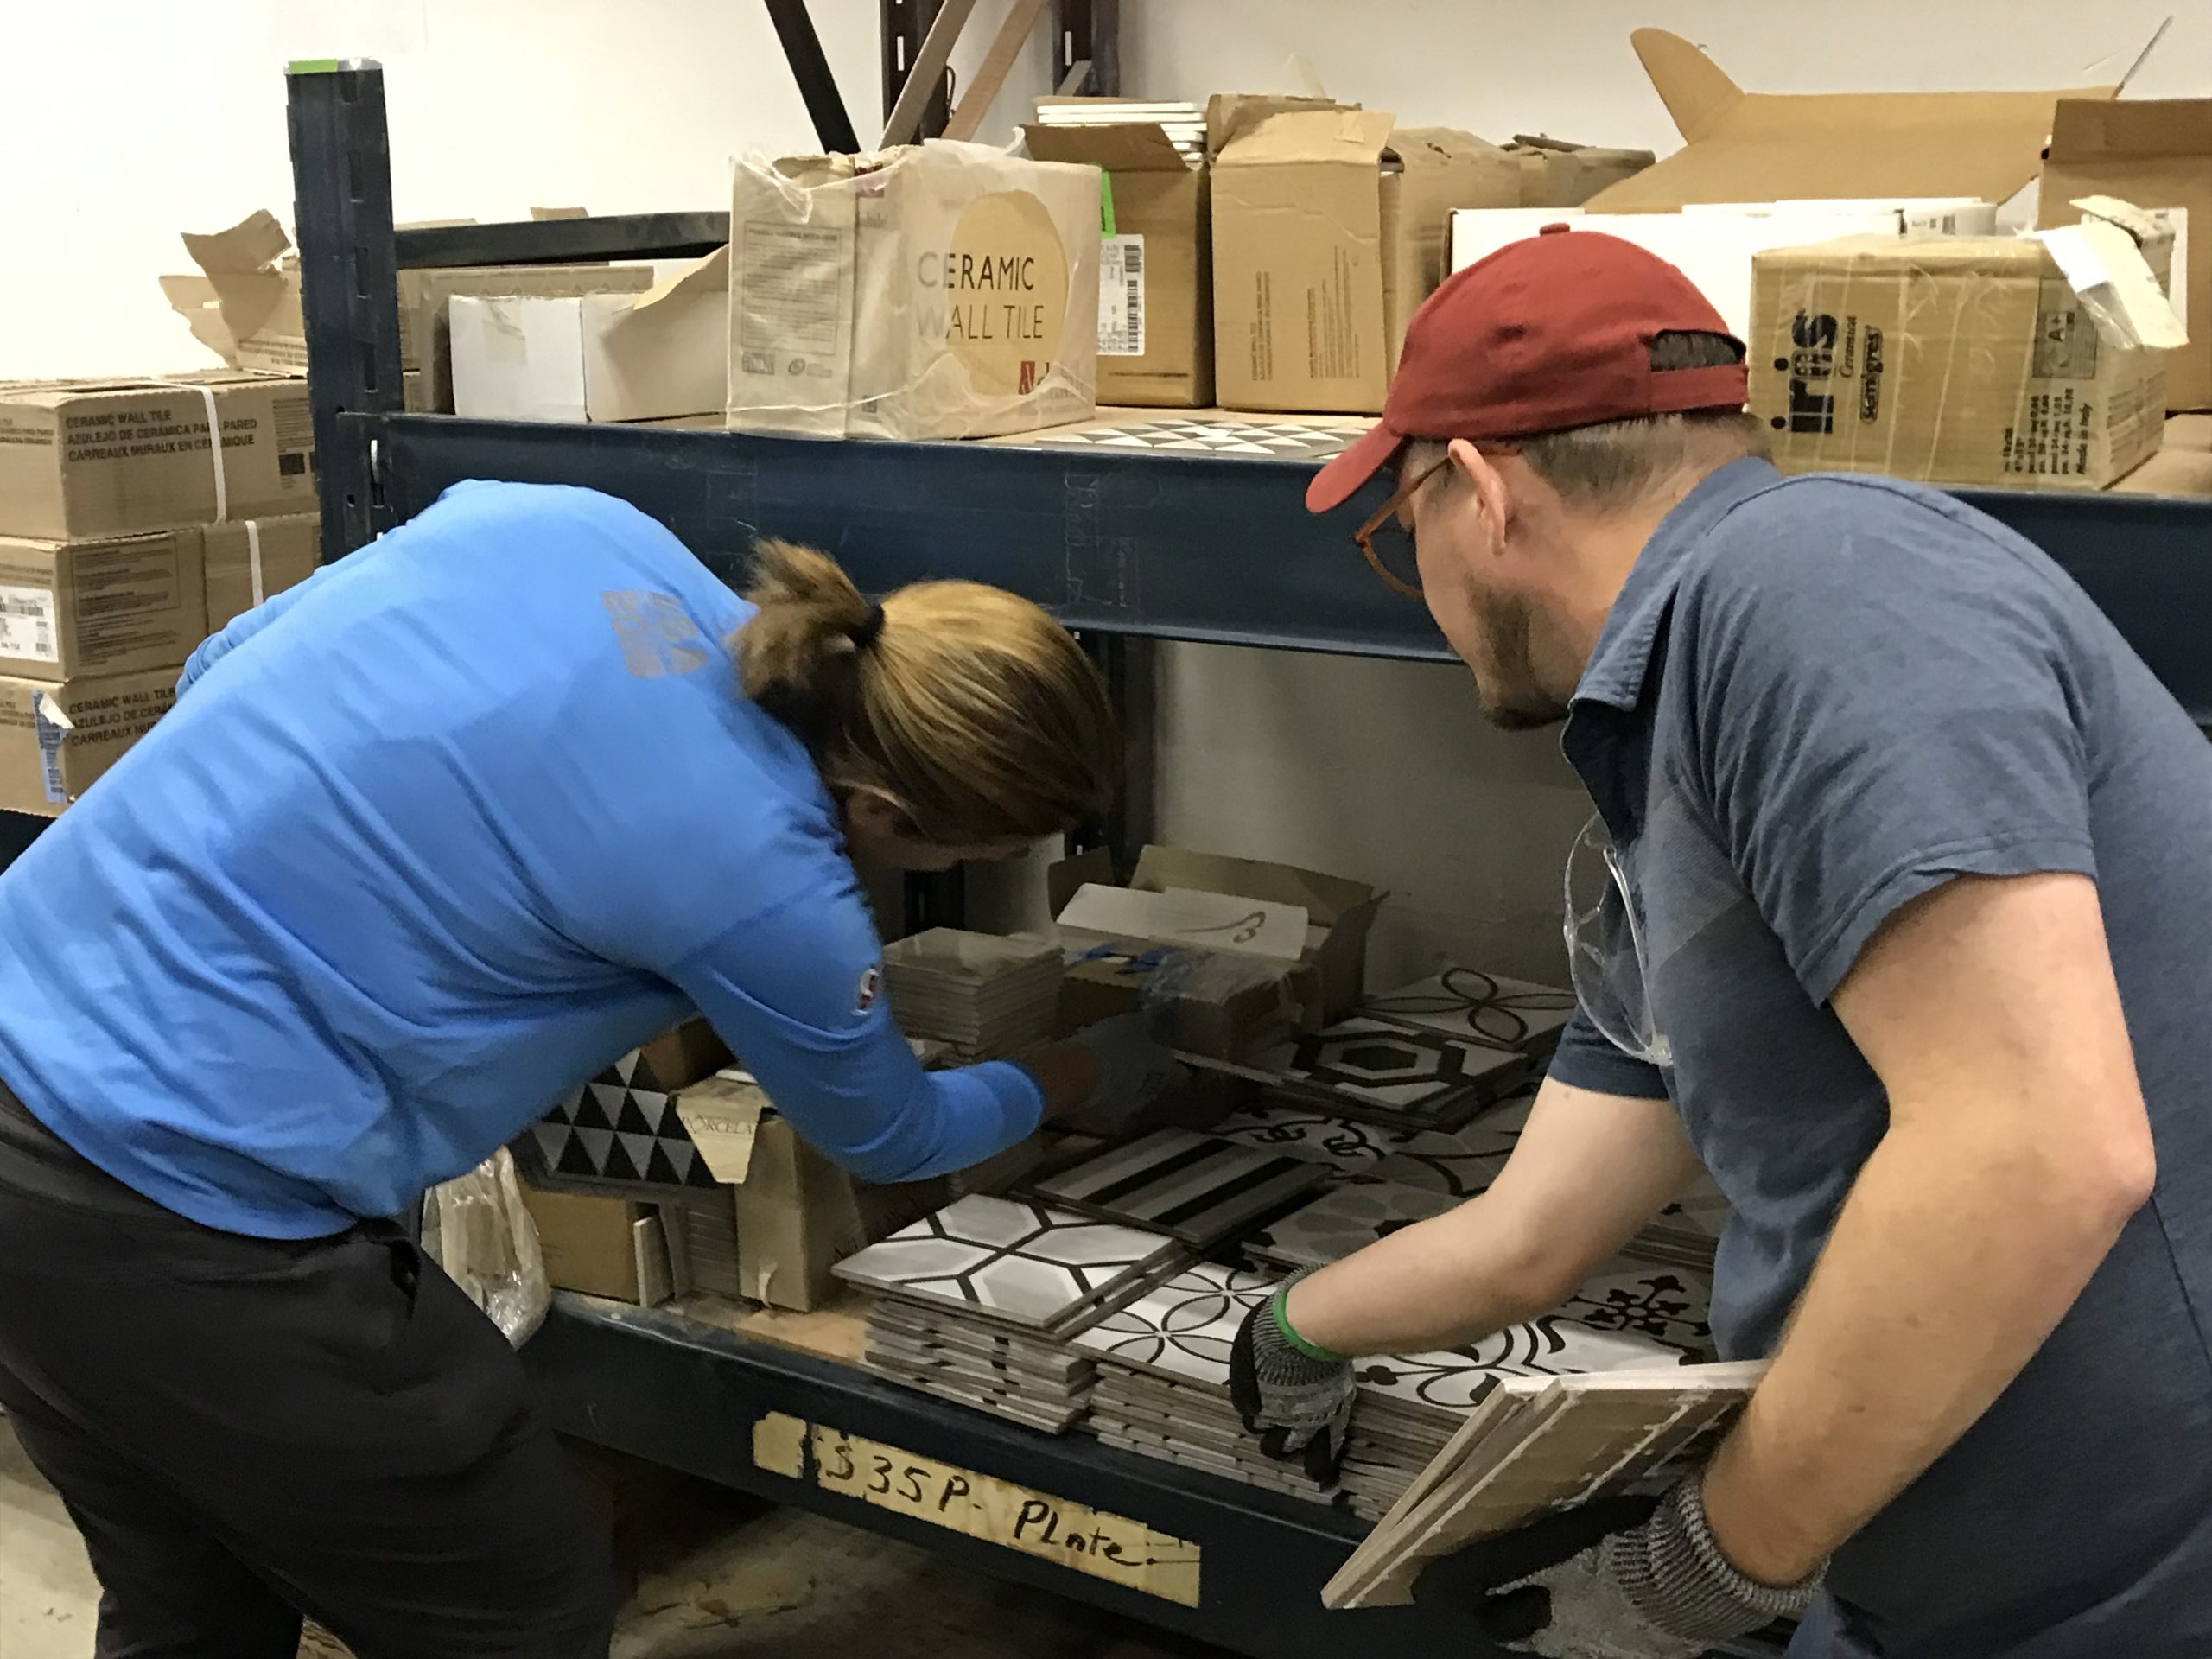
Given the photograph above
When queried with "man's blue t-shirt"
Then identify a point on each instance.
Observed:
(1815, 699)
(427, 840)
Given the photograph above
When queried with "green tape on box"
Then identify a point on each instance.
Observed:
(311, 67)
(1106, 204)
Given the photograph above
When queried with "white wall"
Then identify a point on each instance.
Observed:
(154, 116)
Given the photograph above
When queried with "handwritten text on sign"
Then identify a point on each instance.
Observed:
(1109, 1547)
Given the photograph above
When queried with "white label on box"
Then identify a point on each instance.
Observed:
(27, 631)
(1121, 297)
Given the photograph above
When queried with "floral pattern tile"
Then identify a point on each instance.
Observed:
(1299, 1131)
(1468, 1002)
(1184, 1327)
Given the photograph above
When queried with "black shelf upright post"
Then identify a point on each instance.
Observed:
(1088, 32)
(341, 207)
(810, 67)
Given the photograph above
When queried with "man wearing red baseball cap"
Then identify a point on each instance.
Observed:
(1893, 916)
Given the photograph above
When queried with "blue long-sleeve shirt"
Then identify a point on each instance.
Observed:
(429, 838)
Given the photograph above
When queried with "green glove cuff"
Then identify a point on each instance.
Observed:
(1313, 1351)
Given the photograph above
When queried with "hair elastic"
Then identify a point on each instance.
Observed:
(866, 633)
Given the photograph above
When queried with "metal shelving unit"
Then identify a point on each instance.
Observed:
(1123, 548)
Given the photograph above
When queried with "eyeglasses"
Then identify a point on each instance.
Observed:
(1387, 543)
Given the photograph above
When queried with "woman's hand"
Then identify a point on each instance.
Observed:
(1102, 1078)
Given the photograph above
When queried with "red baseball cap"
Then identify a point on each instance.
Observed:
(1548, 333)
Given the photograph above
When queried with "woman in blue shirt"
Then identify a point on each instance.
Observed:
(426, 840)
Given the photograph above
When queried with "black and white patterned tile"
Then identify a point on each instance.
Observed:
(1515, 1014)
(1184, 1327)
(1008, 1259)
(1201, 1188)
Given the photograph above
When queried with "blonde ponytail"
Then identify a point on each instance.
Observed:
(967, 706)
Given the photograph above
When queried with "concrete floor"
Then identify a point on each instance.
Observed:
(718, 1579)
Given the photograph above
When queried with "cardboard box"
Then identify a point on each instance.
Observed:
(1713, 248)
(2181, 467)
(798, 1214)
(1155, 284)
(1329, 228)
(2158, 154)
(947, 290)
(1327, 978)
(1960, 360)
(1557, 173)
(615, 1247)
(1740, 146)
(252, 560)
(70, 609)
(658, 355)
(87, 458)
(56, 740)
(243, 305)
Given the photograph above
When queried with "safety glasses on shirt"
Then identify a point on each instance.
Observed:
(1386, 540)
(1604, 948)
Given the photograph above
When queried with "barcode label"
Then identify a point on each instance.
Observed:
(27, 626)
(50, 736)
(1121, 297)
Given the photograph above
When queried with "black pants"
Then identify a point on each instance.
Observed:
(248, 1431)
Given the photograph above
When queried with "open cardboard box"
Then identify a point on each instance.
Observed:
(1321, 980)
(1328, 233)
(658, 355)
(1740, 146)
(2025, 362)
(798, 1214)
(243, 303)
(2156, 153)
(1155, 280)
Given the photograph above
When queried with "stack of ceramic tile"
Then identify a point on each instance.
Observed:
(975, 1302)
(983, 996)
(1034, 1380)
(1184, 124)
(1410, 1405)
(1163, 1379)
(703, 1231)
(1535, 1444)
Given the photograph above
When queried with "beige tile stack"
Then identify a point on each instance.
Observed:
(984, 996)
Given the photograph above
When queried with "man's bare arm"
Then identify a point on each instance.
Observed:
(2018, 1146)
(1589, 1170)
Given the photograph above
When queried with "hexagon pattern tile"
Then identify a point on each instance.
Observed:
(1008, 1259)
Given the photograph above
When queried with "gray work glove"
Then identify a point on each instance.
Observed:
(1134, 1068)
(1298, 1402)
(1656, 1588)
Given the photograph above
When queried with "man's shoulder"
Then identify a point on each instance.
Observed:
(1818, 540)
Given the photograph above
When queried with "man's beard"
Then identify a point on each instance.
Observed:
(1513, 698)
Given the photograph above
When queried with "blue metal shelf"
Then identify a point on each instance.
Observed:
(1166, 545)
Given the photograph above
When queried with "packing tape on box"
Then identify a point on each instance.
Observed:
(215, 449)
(253, 558)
